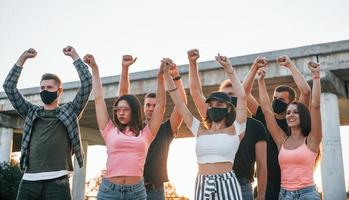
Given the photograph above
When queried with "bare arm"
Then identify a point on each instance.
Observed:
(195, 84)
(252, 103)
(301, 83)
(124, 83)
(261, 160)
(174, 93)
(241, 106)
(276, 132)
(315, 135)
(159, 109)
(100, 106)
(176, 118)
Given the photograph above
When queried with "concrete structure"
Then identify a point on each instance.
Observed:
(334, 60)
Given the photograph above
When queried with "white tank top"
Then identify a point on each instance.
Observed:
(218, 147)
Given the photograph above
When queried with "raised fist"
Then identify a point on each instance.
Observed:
(284, 61)
(260, 62)
(90, 60)
(225, 62)
(70, 51)
(313, 66)
(166, 64)
(30, 53)
(174, 70)
(193, 55)
(127, 60)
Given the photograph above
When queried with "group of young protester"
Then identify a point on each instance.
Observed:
(282, 137)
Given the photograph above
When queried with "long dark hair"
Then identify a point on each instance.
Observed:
(304, 118)
(305, 124)
(136, 123)
(229, 117)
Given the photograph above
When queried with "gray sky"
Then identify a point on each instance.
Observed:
(154, 29)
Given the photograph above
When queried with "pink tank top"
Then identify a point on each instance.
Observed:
(297, 167)
(126, 152)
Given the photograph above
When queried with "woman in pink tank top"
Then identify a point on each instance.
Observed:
(126, 139)
(297, 152)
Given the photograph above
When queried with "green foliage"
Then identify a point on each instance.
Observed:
(10, 177)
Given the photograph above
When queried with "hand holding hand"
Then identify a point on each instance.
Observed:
(166, 64)
(174, 70)
(261, 73)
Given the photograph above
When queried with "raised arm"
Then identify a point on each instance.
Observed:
(276, 132)
(176, 118)
(159, 109)
(81, 98)
(174, 93)
(261, 168)
(195, 84)
(17, 100)
(252, 103)
(315, 136)
(124, 83)
(100, 106)
(301, 83)
(241, 106)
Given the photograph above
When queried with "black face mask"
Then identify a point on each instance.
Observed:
(217, 114)
(234, 101)
(279, 106)
(48, 97)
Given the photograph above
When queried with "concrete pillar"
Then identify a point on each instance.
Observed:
(332, 171)
(79, 177)
(6, 135)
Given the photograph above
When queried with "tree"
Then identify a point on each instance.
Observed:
(10, 178)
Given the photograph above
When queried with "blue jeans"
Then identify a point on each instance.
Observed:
(53, 189)
(111, 191)
(156, 193)
(246, 189)
(308, 193)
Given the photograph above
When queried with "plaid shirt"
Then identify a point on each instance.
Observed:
(68, 113)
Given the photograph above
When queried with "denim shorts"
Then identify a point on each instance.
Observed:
(112, 191)
(308, 193)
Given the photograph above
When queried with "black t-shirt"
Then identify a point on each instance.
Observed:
(246, 155)
(155, 168)
(274, 174)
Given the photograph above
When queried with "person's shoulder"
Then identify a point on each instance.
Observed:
(165, 127)
(255, 126)
(254, 122)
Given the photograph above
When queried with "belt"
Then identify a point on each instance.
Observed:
(153, 186)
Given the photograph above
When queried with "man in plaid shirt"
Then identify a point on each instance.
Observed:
(51, 132)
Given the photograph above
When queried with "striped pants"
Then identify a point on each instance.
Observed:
(217, 187)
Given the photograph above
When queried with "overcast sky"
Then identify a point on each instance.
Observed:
(154, 29)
